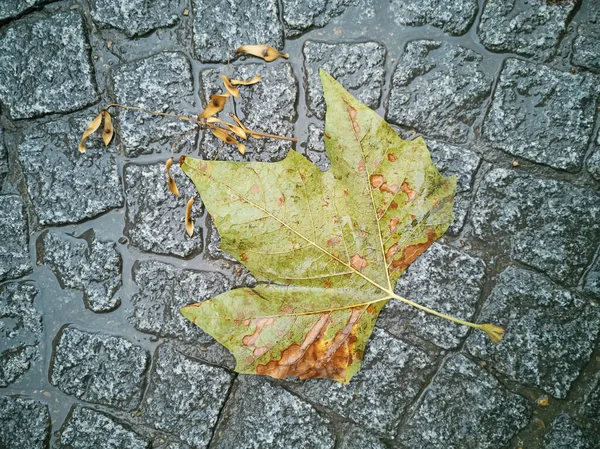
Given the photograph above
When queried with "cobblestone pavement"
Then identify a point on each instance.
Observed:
(95, 264)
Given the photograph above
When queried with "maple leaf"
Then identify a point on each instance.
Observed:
(326, 247)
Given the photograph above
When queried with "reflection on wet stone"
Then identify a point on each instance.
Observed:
(453, 17)
(14, 251)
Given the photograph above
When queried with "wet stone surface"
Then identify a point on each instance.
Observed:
(591, 405)
(392, 374)
(359, 67)
(155, 217)
(15, 8)
(585, 50)
(136, 17)
(14, 234)
(300, 15)
(268, 106)
(453, 17)
(25, 423)
(550, 225)
(315, 147)
(220, 27)
(591, 284)
(99, 368)
(262, 416)
(550, 331)
(161, 83)
(3, 159)
(163, 290)
(86, 264)
(444, 279)
(21, 330)
(534, 31)
(355, 437)
(45, 67)
(87, 428)
(185, 396)
(464, 408)
(64, 185)
(565, 433)
(456, 90)
(542, 114)
(593, 162)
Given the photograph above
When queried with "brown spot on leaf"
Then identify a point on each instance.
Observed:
(352, 112)
(376, 180)
(410, 193)
(334, 241)
(372, 310)
(361, 166)
(358, 262)
(394, 224)
(346, 193)
(393, 189)
(260, 323)
(280, 201)
(244, 257)
(255, 188)
(391, 157)
(393, 205)
(327, 135)
(391, 252)
(356, 127)
(411, 253)
(327, 284)
(260, 351)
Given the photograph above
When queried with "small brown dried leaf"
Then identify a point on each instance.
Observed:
(189, 223)
(172, 186)
(239, 122)
(91, 129)
(215, 105)
(224, 135)
(254, 80)
(241, 148)
(230, 88)
(238, 130)
(265, 52)
(108, 132)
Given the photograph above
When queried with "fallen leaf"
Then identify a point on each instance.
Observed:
(91, 129)
(108, 132)
(171, 182)
(254, 80)
(229, 87)
(265, 52)
(319, 243)
(189, 223)
(215, 105)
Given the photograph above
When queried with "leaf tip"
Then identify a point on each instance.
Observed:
(495, 333)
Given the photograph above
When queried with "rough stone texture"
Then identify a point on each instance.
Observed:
(593, 162)
(354, 437)
(550, 332)
(542, 114)
(99, 368)
(3, 159)
(214, 242)
(268, 106)
(453, 17)
(591, 283)
(85, 264)
(359, 67)
(221, 26)
(301, 15)
(392, 374)
(163, 290)
(64, 185)
(585, 46)
(565, 433)
(444, 279)
(14, 8)
(533, 31)
(456, 89)
(25, 423)
(185, 396)
(464, 408)
(315, 147)
(550, 225)
(87, 428)
(138, 16)
(20, 331)
(591, 405)
(44, 66)
(262, 416)
(155, 217)
(14, 235)
(161, 83)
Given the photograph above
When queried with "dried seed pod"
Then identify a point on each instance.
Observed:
(172, 186)
(224, 135)
(239, 131)
(265, 52)
(108, 132)
(241, 148)
(91, 129)
(239, 122)
(254, 80)
(230, 88)
(189, 223)
(215, 105)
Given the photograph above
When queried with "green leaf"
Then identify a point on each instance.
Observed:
(327, 248)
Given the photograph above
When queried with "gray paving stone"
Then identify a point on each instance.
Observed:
(86, 264)
(359, 67)
(591, 404)
(456, 90)
(185, 396)
(534, 31)
(550, 225)
(268, 106)
(161, 83)
(99, 368)
(221, 26)
(214, 242)
(453, 17)
(14, 8)
(155, 217)
(355, 437)
(86, 428)
(138, 16)
(45, 67)
(14, 234)
(3, 159)
(591, 282)
(593, 162)
(565, 433)
(464, 408)
(25, 424)
(163, 290)
(300, 16)
(392, 374)
(64, 185)
(586, 51)
(444, 279)
(315, 147)
(21, 329)
(550, 331)
(262, 416)
(542, 114)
